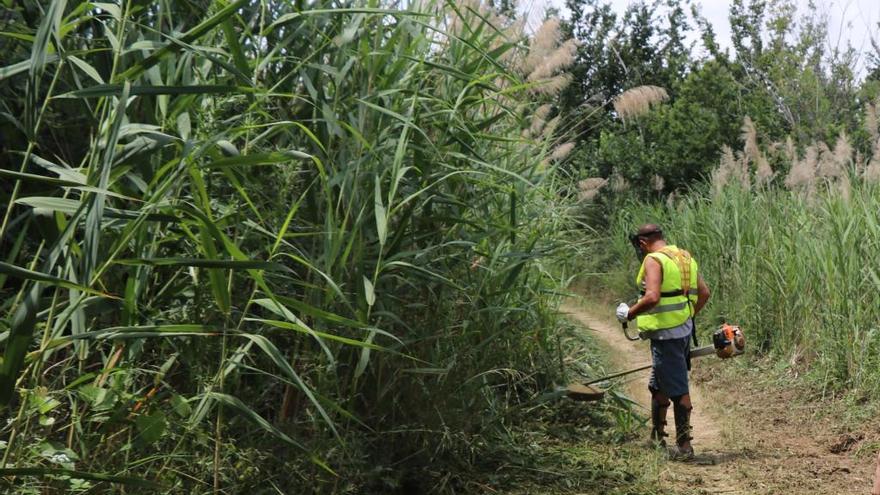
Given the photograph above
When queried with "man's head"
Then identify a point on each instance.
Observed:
(647, 239)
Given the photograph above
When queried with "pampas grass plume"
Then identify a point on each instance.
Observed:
(638, 101)
(590, 188)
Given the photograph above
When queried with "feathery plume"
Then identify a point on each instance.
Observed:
(721, 174)
(590, 188)
(657, 183)
(559, 59)
(844, 187)
(751, 151)
(764, 172)
(750, 138)
(843, 153)
(542, 44)
(539, 119)
(638, 101)
(543, 111)
(551, 126)
(790, 150)
(741, 171)
(552, 86)
(832, 164)
(562, 151)
(826, 166)
(670, 200)
(618, 183)
(803, 172)
(872, 171)
(871, 120)
(513, 33)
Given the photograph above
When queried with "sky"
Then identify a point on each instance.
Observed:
(849, 20)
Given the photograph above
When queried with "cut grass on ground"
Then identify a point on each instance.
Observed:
(567, 447)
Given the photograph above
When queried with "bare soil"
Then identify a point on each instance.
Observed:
(751, 436)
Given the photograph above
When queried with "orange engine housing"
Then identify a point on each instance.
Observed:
(728, 341)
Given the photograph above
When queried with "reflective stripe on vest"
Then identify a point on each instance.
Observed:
(674, 308)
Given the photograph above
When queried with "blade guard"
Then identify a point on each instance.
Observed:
(728, 341)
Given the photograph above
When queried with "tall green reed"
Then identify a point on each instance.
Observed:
(295, 221)
(796, 270)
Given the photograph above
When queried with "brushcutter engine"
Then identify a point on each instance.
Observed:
(728, 341)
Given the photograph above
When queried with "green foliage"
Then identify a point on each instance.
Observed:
(781, 74)
(250, 244)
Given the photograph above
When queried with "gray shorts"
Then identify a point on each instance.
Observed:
(669, 374)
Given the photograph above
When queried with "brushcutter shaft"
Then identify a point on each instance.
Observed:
(616, 375)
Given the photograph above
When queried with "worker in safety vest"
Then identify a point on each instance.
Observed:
(672, 293)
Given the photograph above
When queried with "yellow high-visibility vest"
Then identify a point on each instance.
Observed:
(678, 294)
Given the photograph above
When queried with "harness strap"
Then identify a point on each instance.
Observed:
(681, 258)
(672, 293)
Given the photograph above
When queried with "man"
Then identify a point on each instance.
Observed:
(672, 293)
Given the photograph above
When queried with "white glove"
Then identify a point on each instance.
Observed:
(622, 312)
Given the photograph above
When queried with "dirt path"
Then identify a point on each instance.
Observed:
(750, 439)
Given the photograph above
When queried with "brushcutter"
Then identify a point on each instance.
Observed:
(727, 341)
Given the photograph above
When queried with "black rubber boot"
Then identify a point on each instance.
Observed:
(658, 422)
(683, 430)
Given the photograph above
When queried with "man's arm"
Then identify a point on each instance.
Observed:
(702, 294)
(653, 278)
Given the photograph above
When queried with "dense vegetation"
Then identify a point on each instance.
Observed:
(249, 245)
(796, 270)
(783, 72)
(763, 162)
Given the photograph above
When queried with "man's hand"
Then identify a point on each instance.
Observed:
(623, 312)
